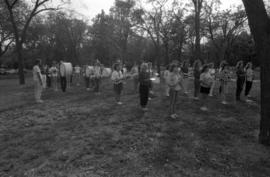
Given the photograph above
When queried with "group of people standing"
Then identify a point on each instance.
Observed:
(176, 77)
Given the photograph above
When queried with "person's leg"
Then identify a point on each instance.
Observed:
(171, 101)
(174, 101)
(196, 88)
(248, 88)
(212, 88)
(142, 96)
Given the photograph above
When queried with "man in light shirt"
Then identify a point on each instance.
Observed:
(37, 81)
(63, 78)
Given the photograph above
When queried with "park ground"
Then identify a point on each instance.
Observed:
(80, 134)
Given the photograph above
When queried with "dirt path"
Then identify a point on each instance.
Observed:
(83, 134)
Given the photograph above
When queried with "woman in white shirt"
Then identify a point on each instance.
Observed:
(165, 76)
(37, 77)
(135, 76)
(212, 72)
(117, 78)
(175, 83)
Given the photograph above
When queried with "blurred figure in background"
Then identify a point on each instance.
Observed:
(175, 84)
(212, 72)
(144, 81)
(135, 76)
(97, 76)
(206, 81)
(196, 73)
(117, 78)
(241, 77)
(249, 79)
(165, 77)
(224, 77)
(185, 71)
(77, 74)
(54, 76)
(38, 84)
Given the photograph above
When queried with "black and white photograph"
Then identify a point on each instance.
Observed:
(134, 88)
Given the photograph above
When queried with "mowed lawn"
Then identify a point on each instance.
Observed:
(80, 134)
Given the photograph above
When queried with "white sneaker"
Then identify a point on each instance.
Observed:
(224, 102)
(149, 99)
(144, 109)
(196, 98)
(204, 108)
(210, 95)
(173, 116)
(119, 103)
(88, 89)
(40, 101)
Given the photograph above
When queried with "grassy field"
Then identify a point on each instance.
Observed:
(80, 134)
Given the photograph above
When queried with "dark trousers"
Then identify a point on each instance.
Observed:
(248, 87)
(144, 94)
(48, 80)
(118, 90)
(196, 87)
(63, 81)
(239, 87)
(97, 84)
(87, 81)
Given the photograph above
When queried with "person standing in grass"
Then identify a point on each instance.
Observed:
(185, 71)
(144, 85)
(37, 77)
(241, 77)
(97, 76)
(166, 76)
(135, 76)
(54, 75)
(77, 74)
(206, 81)
(224, 77)
(249, 79)
(212, 72)
(196, 74)
(117, 78)
(175, 84)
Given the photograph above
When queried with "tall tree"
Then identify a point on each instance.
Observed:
(259, 23)
(198, 8)
(20, 23)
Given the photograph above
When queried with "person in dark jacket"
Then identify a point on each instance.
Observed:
(144, 82)
(241, 77)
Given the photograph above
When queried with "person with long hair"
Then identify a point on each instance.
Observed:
(249, 79)
(206, 81)
(224, 77)
(241, 77)
(144, 85)
(117, 78)
(38, 84)
(175, 84)
(196, 73)
(185, 72)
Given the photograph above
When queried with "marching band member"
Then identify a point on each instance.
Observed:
(212, 72)
(224, 77)
(54, 75)
(38, 84)
(97, 76)
(77, 74)
(249, 79)
(144, 85)
(185, 72)
(135, 76)
(175, 84)
(117, 78)
(206, 81)
(241, 77)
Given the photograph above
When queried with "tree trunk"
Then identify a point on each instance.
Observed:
(259, 24)
(21, 63)
(197, 31)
